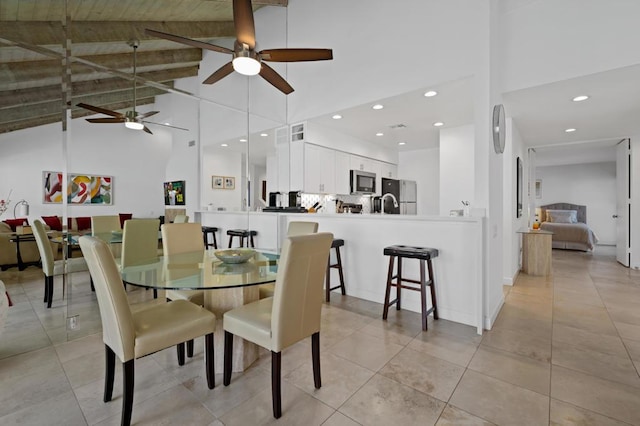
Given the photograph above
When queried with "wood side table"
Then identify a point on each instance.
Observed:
(536, 252)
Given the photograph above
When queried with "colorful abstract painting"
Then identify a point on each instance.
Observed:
(81, 189)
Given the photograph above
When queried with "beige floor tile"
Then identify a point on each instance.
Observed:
(60, 409)
(584, 317)
(565, 296)
(500, 402)
(511, 368)
(367, 351)
(606, 366)
(605, 397)
(292, 357)
(298, 408)
(452, 416)
(385, 402)
(428, 374)
(567, 414)
(339, 419)
(340, 379)
(587, 340)
(518, 342)
(467, 332)
(448, 347)
(628, 331)
(633, 348)
(626, 315)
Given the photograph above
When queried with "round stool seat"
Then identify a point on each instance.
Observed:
(337, 243)
(209, 229)
(412, 252)
(241, 232)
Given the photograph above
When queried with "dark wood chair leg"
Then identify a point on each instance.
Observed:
(228, 358)
(339, 259)
(93, 287)
(433, 290)
(315, 356)
(49, 291)
(109, 372)
(252, 243)
(399, 283)
(127, 386)
(276, 391)
(241, 242)
(155, 293)
(46, 289)
(327, 281)
(230, 240)
(215, 243)
(423, 296)
(190, 348)
(209, 361)
(180, 349)
(387, 293)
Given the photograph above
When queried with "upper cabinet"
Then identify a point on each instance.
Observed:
(319, 169)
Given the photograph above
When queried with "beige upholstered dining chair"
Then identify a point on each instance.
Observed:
(50, 267)
(105, 224)
(183, 238)
(292, 314)
(180, 218)
(130, 335)
(139, 243)
(294, 228)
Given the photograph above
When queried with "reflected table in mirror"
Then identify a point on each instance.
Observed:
(235, 285)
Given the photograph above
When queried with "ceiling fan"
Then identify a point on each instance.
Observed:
(246, 60)
(131, 119)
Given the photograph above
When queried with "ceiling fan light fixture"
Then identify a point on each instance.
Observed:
(134, 125)
(246, 65)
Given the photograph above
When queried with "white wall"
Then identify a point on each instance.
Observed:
(215, 163)
(635, 202)
(423, 166)
(457, 166)
(592, 185)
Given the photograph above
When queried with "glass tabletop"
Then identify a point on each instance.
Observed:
(202, 271)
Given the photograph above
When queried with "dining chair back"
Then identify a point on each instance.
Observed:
(130, 335)
(139, 242)
(292, 314)
(104, 224)
(181, 238)
(180, 218)
(50, 266)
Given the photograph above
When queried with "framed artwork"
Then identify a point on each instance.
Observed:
(174, 193)
(519, 183)
(217, 182)
(538, 188)
(82, 189)
(229, 182)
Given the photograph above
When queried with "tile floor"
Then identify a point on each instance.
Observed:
(564, 350)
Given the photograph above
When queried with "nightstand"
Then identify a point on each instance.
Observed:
(536, 252)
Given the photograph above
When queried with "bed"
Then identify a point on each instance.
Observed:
(568, 222)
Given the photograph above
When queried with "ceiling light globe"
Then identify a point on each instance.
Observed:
(134, 125)
(438, 124)
(377, 106)
(246, 66)
(336, 117)
(571, 130)
(580, 98)
(430, 93)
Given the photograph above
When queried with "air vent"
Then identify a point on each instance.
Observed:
(398, 126)
(192, 143)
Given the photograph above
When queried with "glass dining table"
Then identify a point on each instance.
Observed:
(225, 287)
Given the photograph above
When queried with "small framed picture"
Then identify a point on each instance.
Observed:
(229, 182)
(217, 182)
(538, 188)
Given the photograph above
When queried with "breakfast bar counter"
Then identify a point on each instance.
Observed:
(458, 269)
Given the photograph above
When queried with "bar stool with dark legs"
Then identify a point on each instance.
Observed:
(242, 234)
(336, 244)
(422, 254)
(206, 230)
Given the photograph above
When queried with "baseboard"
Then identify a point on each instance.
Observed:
(510, 280)
(490, 320)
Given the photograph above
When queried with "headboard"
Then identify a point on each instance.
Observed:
(582, 210)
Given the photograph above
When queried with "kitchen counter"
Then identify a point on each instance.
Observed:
(458, 269)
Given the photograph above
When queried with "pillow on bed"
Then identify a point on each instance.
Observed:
(562, 216)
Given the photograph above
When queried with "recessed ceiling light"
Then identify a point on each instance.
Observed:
(402, 143)
(337, 117)
(379, 134)
(580, 98)
(430, 93)
(570, 130)
(378, 106)
(243, 140)
(438, 124)
(167, 124)
(223, 144)
(264, 135)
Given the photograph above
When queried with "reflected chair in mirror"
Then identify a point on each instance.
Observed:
(183, 238)
(130, 335)
(292, 314)
(181, 219)
(50, 267)
(294, 228)
(139, 243)
(105, 224)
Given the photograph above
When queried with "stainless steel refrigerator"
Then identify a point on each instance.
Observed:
(405, 192)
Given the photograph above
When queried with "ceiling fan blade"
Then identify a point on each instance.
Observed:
(100, 110)
(221, 73)
(146, 129)
(106, 120)
(296, 55)
(188, 41)
(243, 22)
(275, 79)
(148, 114)
(165, 125)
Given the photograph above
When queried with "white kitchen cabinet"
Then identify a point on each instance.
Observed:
(388, 170)
(319, 169)
(362, 163)
(343, 178)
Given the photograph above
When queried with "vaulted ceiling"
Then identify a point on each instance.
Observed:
(32, 48)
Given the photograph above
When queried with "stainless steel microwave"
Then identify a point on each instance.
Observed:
(362, 182)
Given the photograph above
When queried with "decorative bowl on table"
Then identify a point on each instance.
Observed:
(234, 255)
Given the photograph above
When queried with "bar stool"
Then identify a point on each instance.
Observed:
(206, 230)
(242, 234)
(336, 244)
(423, 254)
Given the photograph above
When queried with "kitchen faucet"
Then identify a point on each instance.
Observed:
(393, 197)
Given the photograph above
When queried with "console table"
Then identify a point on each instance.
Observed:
(536, 252)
